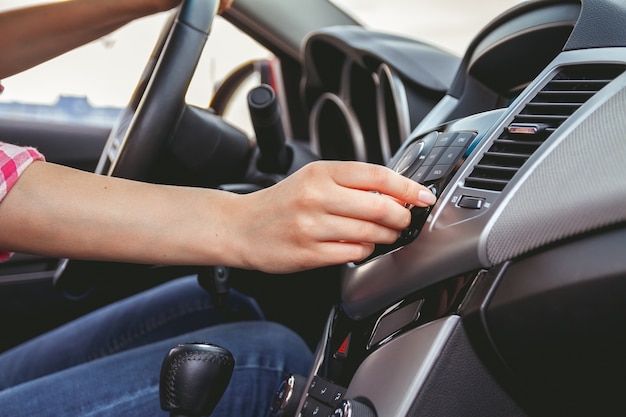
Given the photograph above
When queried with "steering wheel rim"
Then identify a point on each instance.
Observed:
(144, 127)
(141, 133)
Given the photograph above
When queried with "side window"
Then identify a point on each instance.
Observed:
(227, 49)
(90, 85)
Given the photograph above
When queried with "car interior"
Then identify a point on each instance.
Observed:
(503, 299)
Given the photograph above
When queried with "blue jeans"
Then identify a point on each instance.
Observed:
(108, 362)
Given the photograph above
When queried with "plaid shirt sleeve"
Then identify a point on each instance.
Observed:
(13, 161)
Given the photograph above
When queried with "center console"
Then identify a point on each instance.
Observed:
(399, 344)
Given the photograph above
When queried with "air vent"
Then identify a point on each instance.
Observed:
(552, 105)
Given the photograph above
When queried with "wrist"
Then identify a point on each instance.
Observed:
(216, 230)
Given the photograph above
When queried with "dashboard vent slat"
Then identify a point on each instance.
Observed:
(570, 88)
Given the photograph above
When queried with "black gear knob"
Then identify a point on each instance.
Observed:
(194, 377)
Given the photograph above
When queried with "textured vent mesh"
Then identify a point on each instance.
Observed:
(552, 106)
(580, 186)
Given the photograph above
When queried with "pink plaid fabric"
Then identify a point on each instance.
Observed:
(13, 161)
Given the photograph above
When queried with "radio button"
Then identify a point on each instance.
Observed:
(450, 156)
(445, 139)
(469, 202)
(464, 139)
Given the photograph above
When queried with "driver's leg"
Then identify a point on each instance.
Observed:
(126, 384)
(176, 307)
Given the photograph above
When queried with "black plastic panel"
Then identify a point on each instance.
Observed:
(557, 319)
(460, 385)
(600, 25)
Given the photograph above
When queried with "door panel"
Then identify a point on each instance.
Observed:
(77, 146)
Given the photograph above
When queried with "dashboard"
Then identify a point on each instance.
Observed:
(505, 297)
(367, 91)
(362, 107)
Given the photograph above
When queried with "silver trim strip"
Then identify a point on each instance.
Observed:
(392, 376)
(356, 135)
(320, 354)
(400, 104)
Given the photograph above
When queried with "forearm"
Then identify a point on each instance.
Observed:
(61, 212)
(324, 214)
(35, 34)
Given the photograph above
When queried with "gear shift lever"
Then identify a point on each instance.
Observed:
(193, 378)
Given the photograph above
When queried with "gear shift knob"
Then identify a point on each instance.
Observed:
(193, 378)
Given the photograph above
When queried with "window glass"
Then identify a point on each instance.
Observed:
(449, 24)
(226, 50)
(91, 84)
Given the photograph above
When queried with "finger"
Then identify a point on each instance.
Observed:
(378, 178)
(336, 253)
(336, 228)
(371, 207)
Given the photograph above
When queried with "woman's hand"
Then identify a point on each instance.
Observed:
(326, 213)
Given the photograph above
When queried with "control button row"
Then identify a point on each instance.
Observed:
(440, 161)
(315, 408)
(326, 392)
(462, 139)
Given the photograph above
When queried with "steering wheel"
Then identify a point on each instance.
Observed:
(144, 127)
(149, 124)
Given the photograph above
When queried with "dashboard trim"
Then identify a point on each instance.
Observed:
(387, 77)
(357, 140)
(532, 21)
(416, 351)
